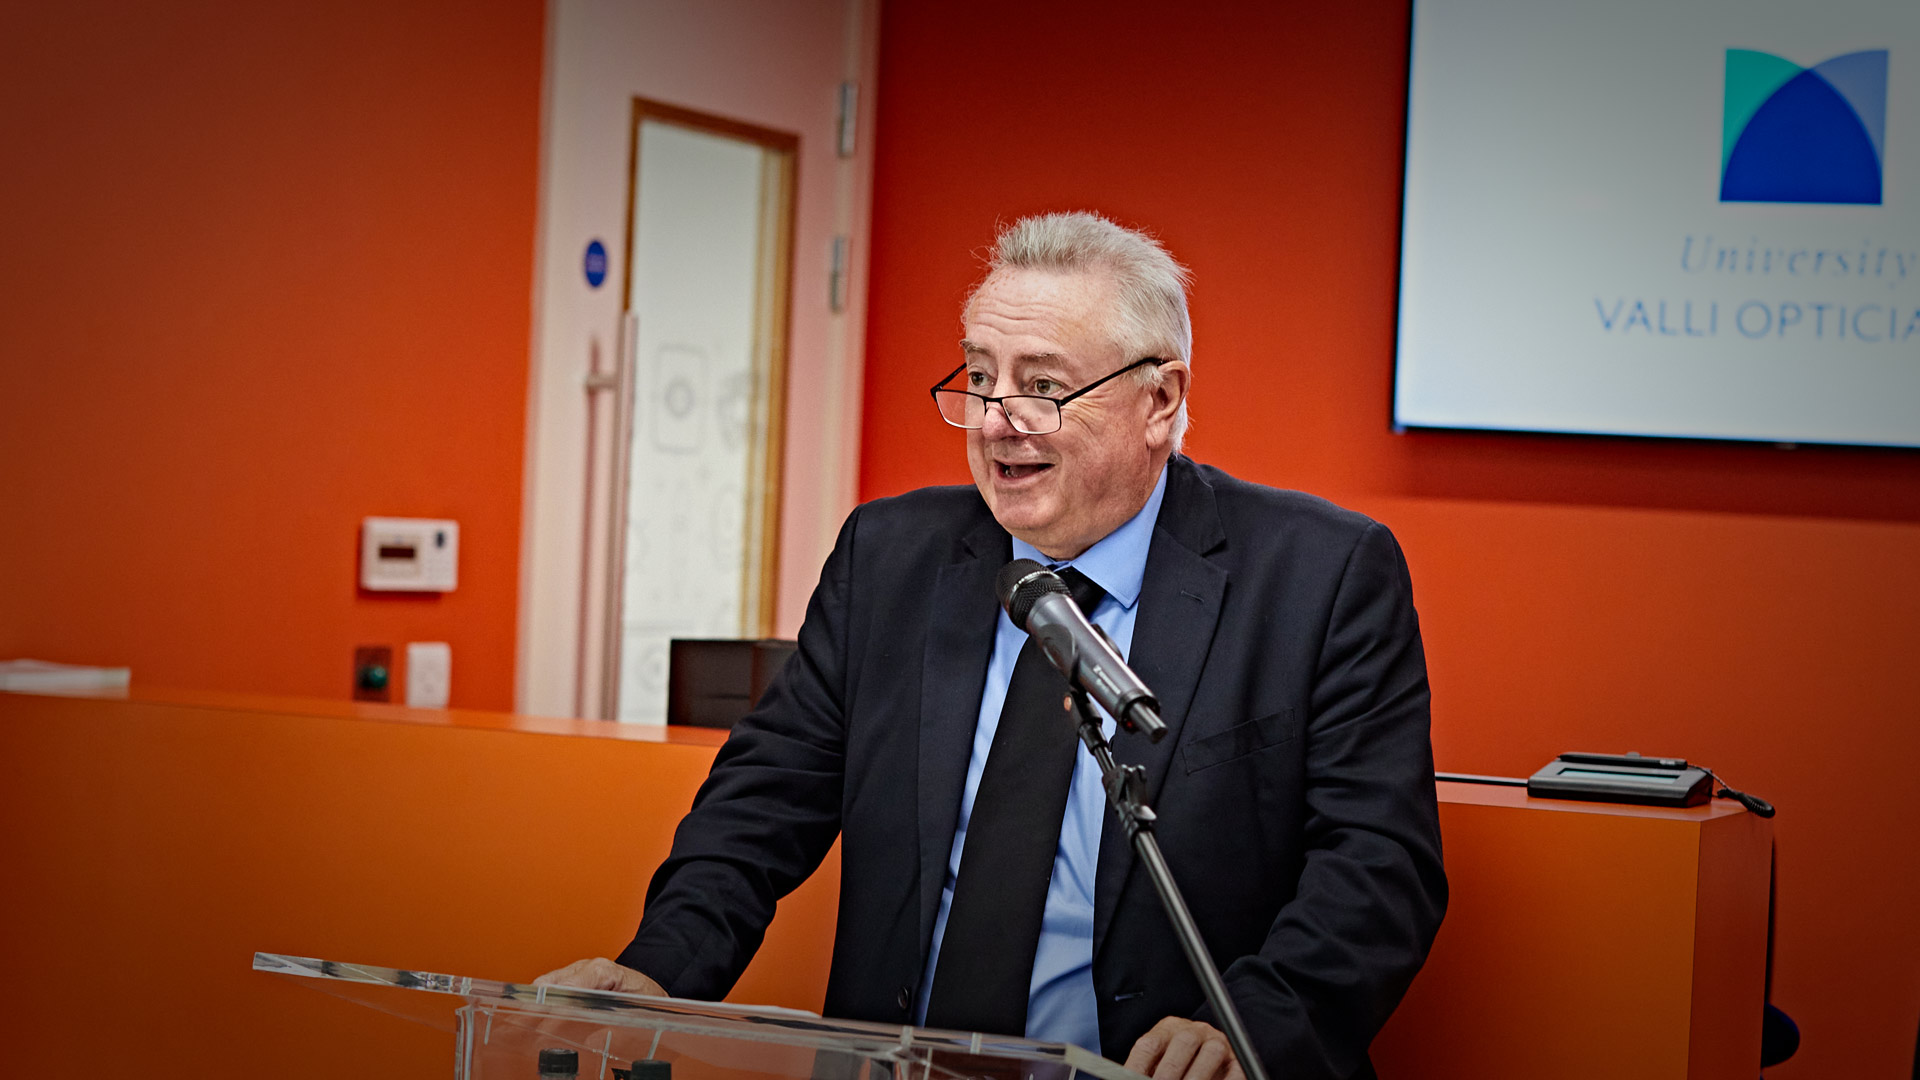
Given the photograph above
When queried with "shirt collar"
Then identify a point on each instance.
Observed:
(1118, 562)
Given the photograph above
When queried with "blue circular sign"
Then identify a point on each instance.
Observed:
(596, 263)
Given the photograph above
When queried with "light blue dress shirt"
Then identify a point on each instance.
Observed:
(1061, 1005)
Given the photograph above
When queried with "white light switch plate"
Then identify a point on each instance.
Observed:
(429, 674)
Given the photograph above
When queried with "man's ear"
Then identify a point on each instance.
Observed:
(1164, 400)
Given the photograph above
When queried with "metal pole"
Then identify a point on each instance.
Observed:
(1126, 793)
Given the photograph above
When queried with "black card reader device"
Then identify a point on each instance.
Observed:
(1622, 778)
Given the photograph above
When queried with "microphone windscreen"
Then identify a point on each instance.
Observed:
(1021, 584)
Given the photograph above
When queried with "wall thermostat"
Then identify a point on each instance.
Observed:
(409, 554)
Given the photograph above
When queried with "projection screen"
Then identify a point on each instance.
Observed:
(1688, 218)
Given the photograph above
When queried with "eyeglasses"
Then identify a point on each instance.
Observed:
(1030, 414)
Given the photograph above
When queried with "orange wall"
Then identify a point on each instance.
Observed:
(267, 271)
(1753, 608)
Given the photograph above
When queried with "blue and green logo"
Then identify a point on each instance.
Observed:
(1804, 135)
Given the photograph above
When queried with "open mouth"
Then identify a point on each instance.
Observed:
(1020, 472)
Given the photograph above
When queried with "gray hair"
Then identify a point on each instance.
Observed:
(1150, 287)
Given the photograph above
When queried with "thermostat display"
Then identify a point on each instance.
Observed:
(409, 554)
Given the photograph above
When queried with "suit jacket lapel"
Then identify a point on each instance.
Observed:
(1180, 602)
(959, 642)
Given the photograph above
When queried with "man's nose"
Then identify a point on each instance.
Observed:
(994, 423)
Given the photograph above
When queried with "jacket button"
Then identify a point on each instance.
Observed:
(903, 997)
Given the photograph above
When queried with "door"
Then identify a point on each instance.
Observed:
(695, 527)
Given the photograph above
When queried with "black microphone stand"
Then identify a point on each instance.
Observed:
(1127, 793)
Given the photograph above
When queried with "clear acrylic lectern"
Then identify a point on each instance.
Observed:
(500, 1029)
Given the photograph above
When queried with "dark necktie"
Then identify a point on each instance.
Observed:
(993, 927)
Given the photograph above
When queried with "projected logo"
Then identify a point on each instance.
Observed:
(1803, 135)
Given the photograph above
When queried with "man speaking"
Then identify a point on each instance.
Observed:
(984, 885)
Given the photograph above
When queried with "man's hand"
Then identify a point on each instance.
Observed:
(601, 974)
(1177, 1049)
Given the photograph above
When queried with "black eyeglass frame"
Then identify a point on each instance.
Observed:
(1059, 404)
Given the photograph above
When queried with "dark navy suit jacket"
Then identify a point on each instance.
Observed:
(1294, 787)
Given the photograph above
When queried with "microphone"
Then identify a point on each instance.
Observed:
(1038, 602)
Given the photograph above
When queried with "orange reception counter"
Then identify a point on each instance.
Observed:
(153, 843)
